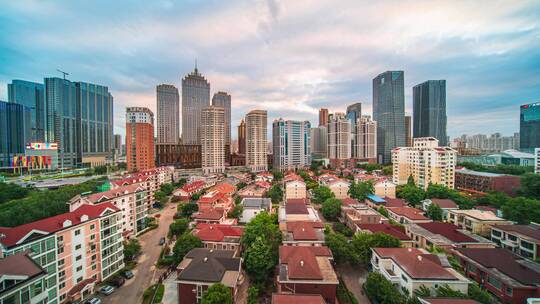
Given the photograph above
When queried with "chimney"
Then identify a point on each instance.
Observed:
(302, 263)
(420, 258)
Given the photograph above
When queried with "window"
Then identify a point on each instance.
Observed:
(92, 237)
(78, 269)
(494, 282)
(61, 262)
(61, 285)
(78, 258)
(60, 250)
(471, 268)
(79, 279)
(404, 278)
(77, 247)
(78, 232)
(509, 291)
(92, 227)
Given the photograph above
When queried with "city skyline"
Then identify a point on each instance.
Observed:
(480, 55)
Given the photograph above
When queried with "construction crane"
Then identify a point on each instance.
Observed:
(64, 73)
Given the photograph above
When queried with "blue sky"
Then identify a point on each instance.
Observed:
(289, 57)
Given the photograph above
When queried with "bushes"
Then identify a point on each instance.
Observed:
(344, 295)
(158, 290)
(184, 244)
(380, 290)
(178, 227)
(341, 228)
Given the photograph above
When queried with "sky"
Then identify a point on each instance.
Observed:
(288, 57)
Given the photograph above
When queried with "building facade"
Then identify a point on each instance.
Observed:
(291, 144)
(139, 139)
(339, 138)
(389, 113)
(213, 139)
(483, 182)
(354, 112)
(195, 97)
(31, 95)
(15, 131)
(529, 126)
(429, 110)
(323, 117)
(319, 140)
(256, 129)
(408, 131)
(168, 116)
(179, 156)
(242, 138)
(366, 140)
(223, 99)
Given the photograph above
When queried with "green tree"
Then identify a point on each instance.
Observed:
(361, 190)
(188, 209)
(167, 189)
(184, 244)
(160, 198)
(530, 185)
(278, 175)
(276, 194)
(445, 291)
(253, 295)
(438, 191)
(343, 229)
(240, 186)
(478, 294)
(410, 181)
(493, 198)
(379, 289)
(259, 260)
(99, 170)
(364, 241)
(331, 209)
(178, 227)
(181, 182)
(412, 194)
(321, 194)
(132, 249)
(262, 225)
(237, 200)
(236, 212)
(434, 212)
(388, 170)
(12, 191)
(342, 250)
(217, 294)
(522, 210)
(383, 211)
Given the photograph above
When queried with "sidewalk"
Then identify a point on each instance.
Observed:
(171, 290)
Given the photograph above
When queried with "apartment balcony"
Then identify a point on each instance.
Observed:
(509, 243)
(390, 275)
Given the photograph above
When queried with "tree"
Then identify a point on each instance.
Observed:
(12, 191)
(240, 186)
(160, 198)
(493, 198)
(379, 289)
(217, 294)
(361, 190)
(259, 260)
(253, 295)
(167, 189)
(343, 229)
(181, 182)
(445, 291)
(364, 241)
(99, 170)
(383, 211)
(237, 200)
(178, 227)
(412, 194)
(321, 194)
(265, 226)
(388, 170)
(410, 181)
(331, 209)
(522, 210)
(276, 194)
(434, 212)
(278, 175)
(184, 244)
(478, 294)
(530, 185)
(188, 209)
(132, 249)
(342, 250)
(437, 191)
(236, 212)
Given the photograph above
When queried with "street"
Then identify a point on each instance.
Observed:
(145, 271)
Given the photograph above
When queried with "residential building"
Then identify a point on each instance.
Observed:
(408, 131)
(444, 204)
(510, 278)
(23, 280)
(481, 143)
(385, 188)
(426, 162)
(406, 215)
(189, 189)
(444, 235)
(529, 126)
(319, 140)
(252, 206)
(213, 139)
(179, 155)
(256, 131)
(223, 99)
(215, 199)
(339, 139)
(476, 221)
(365, 143)
(358, 214)
(219, 237)
(201, 268)
(117, 145)
(32, 96)
(323, 117)
(79, 117)
(15, 131)
(297, 210)
(297, 298)
(375, 201)
(242, 138)
(295, 189)
(291, 144)
(340, 188)
(523, 240)
(353, 114)
(301, 233)
(168, 114)
(307, 270)
(212, 215)
(396, 231)
(139, 139)
(255, 190)
(429, 110)
(477, 182)
(536, 160)
(411, 268)
(195, 97)
(389, 113)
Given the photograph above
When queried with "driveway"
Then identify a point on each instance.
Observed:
(354, 277)
(145, 271)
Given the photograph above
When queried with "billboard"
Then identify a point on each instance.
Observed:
(31, 162)
(42, 146)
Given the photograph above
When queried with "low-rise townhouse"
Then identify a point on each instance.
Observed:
(444, 235)
(523, 240)
(476, 221)
(407, 215)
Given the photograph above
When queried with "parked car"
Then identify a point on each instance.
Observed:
(162, 241)
(128, 274)
(118, 281)
(106, 290)
(93, 301)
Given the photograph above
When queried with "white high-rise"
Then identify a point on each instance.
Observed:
(195, 97)
(256, 128)
(339, 137)
(168, 114)
(291, 144)
(213, 140)
(366, 139)
(223, 99)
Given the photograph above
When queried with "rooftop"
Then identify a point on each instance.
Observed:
(305, 231)
(394, 202)
(447, 230)
(107, 195)
(257, 202)
(408, 212)
(392, 230)
(306, 263)
(209, 214)
(444, 203)
(479, 215)
(217, 232)
(375, 199)
(531, 231)
(20, 265)
(297, 298)
(206, 265)
(478, 173)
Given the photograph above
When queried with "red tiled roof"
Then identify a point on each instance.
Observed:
(209, 214)
(416, 263)
(408, 212)
(131, 180)
(487, 208)
(225, 188)
(193, 186)
(297, 299)
(211, 197)
(304, 231)
(54, 223)
(80, 286)
(448, 230)
(394, 231)
(349, 201)
(303, 201)
(217, 232)
(296, 207)
(20, 264)
(301, 261)
(444, 203)
(110, 194)
(263, 184)
(394, 202)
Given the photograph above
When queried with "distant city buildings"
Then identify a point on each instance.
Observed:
(339, 139)
(168, 116)
(195, 97)
(291, 144)
(32, 96)
(389, 113)
(408, 131)
(354, 112)
(223, 99)
(529, 126)
(256, 143)
(117, 144)
(429, 110)
(139, 139)
(242, 138)
(319, 142)
(323, 117)
(426, 162)
(365, 140)
(213, 139)
(482, 143)
(15, 131)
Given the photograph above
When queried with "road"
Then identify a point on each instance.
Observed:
(133, 289)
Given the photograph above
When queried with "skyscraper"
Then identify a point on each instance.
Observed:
(323, 117)
(242, 138)
(529, 127)
(256, 128)
(168, 116)
(139, 139)
(15, 129)
(79, 117)
(291, 144)
(223, 99)
(354, 112)
(117, 144)
(339, 139)
(195, 97)
(429, 110)
(389, 113)
(31, 95)
(366, 139)
(213, 139)
(408, 131)
(319, 140)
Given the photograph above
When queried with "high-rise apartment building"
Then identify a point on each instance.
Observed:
(366, 139)
(139, 139)
(291, 140)
(15, 130)
(389, 113)
(195, 97)
(323, 117)
(168, 116)
(118, 144)
(319, 140)
(223, 99)
(339, 139)
(79, 117)
(213, 139)
(481, 143)
(32, 96)
(426, 162)
(529, 127)
(256, 128)
(408, 131)
(429, 110)
(242, 138)
(354, 112)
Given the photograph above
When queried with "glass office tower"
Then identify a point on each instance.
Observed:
(529, 127)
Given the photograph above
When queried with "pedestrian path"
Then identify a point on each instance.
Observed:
(171, 291)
